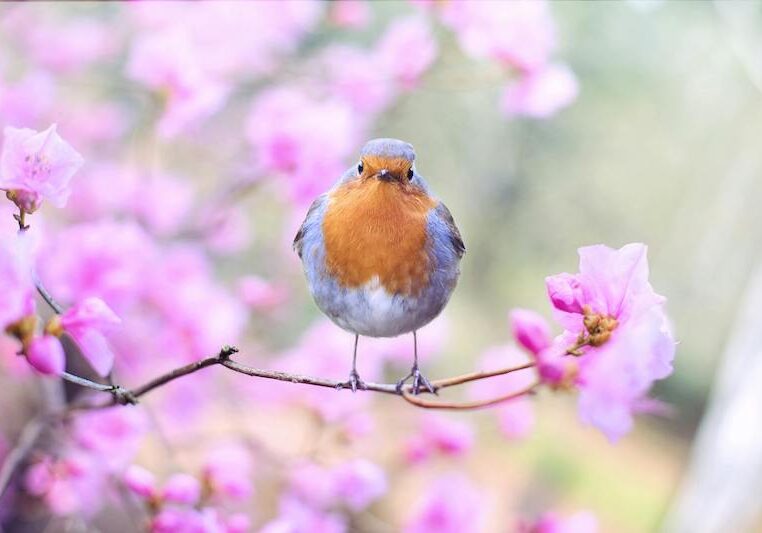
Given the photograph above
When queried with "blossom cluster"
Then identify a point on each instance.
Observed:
(153, 262)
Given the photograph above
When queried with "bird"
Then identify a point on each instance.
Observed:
(380, 253)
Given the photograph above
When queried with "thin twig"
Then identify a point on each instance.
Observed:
(54, 305)
(465, 406)
(475, 376)
(26, 442)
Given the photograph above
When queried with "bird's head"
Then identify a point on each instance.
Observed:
(387, 160)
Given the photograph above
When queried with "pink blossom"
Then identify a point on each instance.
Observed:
(355, 14)
(238, 523)
(256, 36)
(163, 202)
(38, 165)
(46, 355)
(550, 522)
(451, 504)
(106, 189)
(166, 61)
(86, 322)
(439, 434)
(67, 485)
(530, 330)
(182, 489)
(357, 77)
(141, 482)
(516, 418)
(227, 471)
(627, 340)
(260, 294)
(71, 46)
(359, 483)
(188, 520)
(27, 101)
(114, 434)
(112, 261)
(312, 484)
(541, 93)
(296, 517)
(519, 33)
(15, 281)
(406, 50)
(301, 139)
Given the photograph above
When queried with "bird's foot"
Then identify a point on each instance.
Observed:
(354, 382)
(419, 382)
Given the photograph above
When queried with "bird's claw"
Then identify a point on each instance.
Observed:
(354, 382)
(419, 382)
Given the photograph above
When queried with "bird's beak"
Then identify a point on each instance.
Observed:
(384, 175)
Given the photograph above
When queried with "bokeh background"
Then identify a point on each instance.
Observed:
(206, 132)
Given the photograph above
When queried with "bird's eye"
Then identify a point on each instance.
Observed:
(359, 168)
(410, 174)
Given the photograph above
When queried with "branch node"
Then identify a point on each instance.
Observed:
(123, 396)
(226, 352)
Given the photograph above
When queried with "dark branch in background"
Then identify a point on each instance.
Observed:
(17, 455)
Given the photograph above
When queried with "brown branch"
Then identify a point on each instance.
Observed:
(123, 396)
(475, 376)
(465, 406)
(16, 457)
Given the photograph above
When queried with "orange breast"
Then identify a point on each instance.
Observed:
(374, 228)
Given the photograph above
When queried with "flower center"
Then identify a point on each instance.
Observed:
(599, 327)
(37, 166)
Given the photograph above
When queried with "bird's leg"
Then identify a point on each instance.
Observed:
(419, 380)
(354, 381)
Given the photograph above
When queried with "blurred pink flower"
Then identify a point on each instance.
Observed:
(516, 418)
(628, 344)
(550, 522)
(261, 294)
(27, 101)
(519, 33)
(530, 330)
(189, 520)
(69, 45)
(113, 435)
(301, 139)
(540, 93)
(355, 14)
(67, 485)
(141, 482)
(112, 261)
(38, 165)
(358, 483)
(166, 62)
(103, 190)
(15, 280)
(182, 489)
(163, 202)
(357, 77)
(439, 434)
(296, 517)
(451, 504)
(227, 471)
(312, 484)
(256, 36)
(86, 322)
(46, 355)
(406, 50)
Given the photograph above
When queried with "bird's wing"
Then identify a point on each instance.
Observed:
(308, 221)
(452, 230)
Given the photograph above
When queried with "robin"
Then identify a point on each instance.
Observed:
(380, 253)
